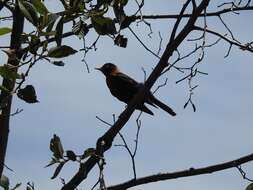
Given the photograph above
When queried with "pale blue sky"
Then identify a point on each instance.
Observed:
(70, 98)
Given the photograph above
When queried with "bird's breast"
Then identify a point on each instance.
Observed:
(119, 89)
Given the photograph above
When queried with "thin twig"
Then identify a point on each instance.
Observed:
(160, 43)
(243, 173)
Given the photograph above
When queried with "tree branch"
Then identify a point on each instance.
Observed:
(104, 143)
(175, 16)
(210, 14)
(2, 4)
(18, 23)
(183, 173)
(180, 16)
(231, 42)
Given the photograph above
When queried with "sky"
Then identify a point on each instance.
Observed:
(70, 99)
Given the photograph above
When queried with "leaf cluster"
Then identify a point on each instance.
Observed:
(61, 157)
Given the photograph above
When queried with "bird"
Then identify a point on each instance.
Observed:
(123, 87)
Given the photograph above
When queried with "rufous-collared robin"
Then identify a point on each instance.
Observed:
(124, 88)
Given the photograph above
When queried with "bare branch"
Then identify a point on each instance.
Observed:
(184, 173)
(174, 30)
(243, 173)
(139, 40)
(132, 154)
(232, 42)
(18, 111)
(160, 43)
(228, 29)
(210, 14)
(103, 121)
(161, 85)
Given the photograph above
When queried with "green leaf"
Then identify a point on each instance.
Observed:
(34, 44)
(80, 28)
(9, 72)
(58, 63)
(5, 30)
(24, 11)
(249, 187)
(4, 182)
(16, 186)
(40, 7)
(88, 152)
(59, 30)
(2, 88)
(57, 170)
(50, 20)
(56, 147)
(103, 25)
(71, 155)
(28, 11)
(75, 3)
(30, 186)
(126, 21)
(61, 51)
(28, 94)
(121, 2)
(120, 41)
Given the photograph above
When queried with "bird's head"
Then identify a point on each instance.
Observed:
(108, 69)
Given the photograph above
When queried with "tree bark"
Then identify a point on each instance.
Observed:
(15, 44)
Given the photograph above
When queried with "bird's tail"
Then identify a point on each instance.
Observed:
(146, 110)
(162, 105)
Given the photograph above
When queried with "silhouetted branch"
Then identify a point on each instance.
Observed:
(15, 44)
(173, 33)
(243, 173)
(184, 173)
(160, 43)
(161, 85)
(210, 14)
(139, 40)
(18, 111)
(131, 153)
(231, 42)
(105, 142)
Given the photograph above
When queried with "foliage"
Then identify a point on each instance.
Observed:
(91, 16)
(249, 187)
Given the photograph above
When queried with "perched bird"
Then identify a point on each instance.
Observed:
(124, 88)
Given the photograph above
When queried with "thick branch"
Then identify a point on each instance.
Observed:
(183, 173)
(17, 29)
(104, 143)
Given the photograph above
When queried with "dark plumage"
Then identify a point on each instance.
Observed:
(124, 88)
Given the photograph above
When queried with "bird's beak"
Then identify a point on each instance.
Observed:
(98, 68)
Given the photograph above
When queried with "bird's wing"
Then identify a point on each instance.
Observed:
(126, 79)
(122, 86)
